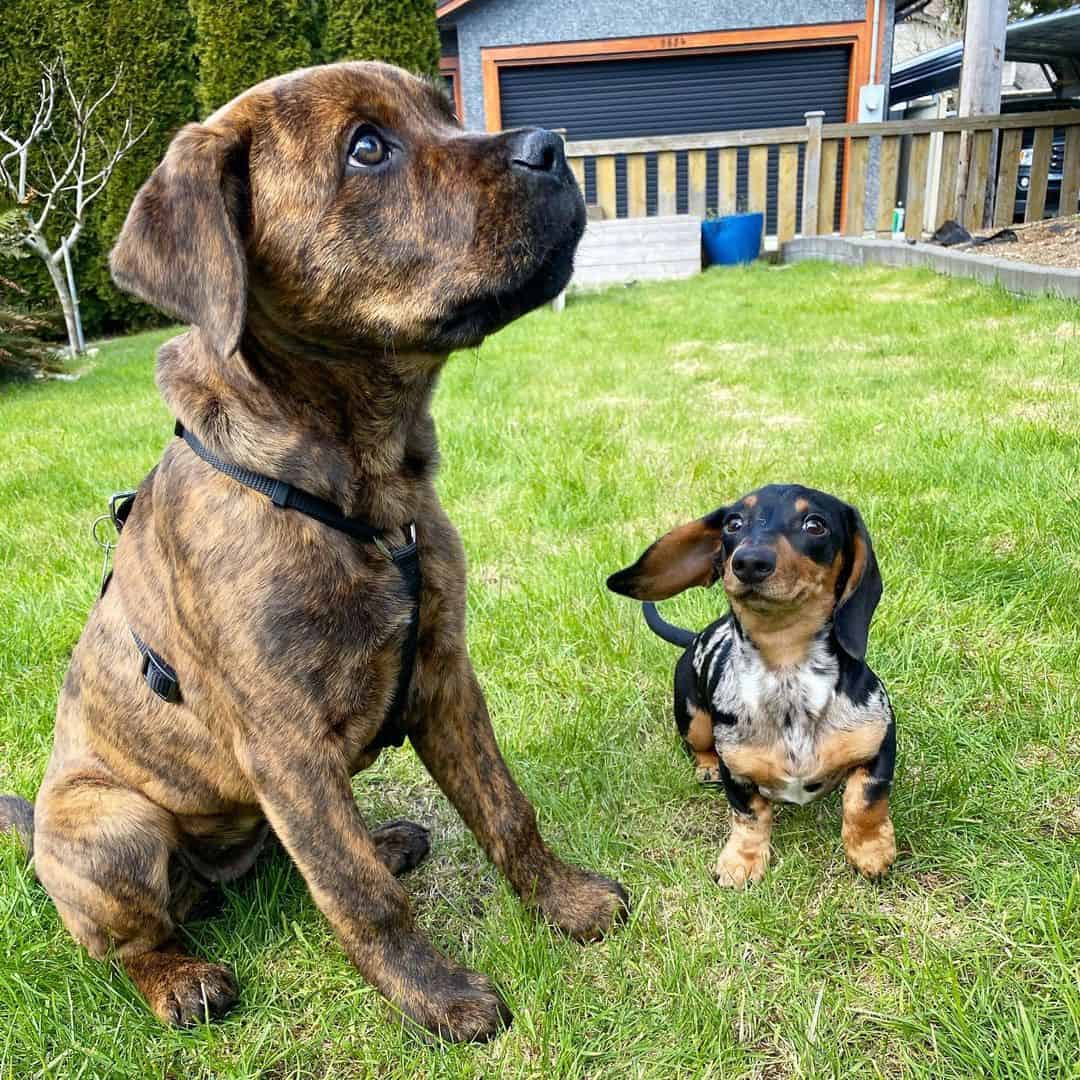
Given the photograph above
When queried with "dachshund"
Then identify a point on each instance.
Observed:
(775, 699)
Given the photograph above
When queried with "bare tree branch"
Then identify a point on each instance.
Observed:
(79, 169)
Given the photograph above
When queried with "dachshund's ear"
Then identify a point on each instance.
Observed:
(855, 608)
(684, 557)
(181, 248)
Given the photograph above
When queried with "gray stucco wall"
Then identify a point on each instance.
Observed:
(525, 22)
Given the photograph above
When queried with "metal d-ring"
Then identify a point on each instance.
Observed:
(107, 545)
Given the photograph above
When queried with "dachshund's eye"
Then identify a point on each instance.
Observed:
(367, 148)
(733, 523)
(814, 525)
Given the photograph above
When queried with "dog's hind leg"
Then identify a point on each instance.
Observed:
(456, 743)
(401, 845)
(17, 816)
(103, 853)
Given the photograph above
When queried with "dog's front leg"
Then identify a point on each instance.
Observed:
(305, 793)
(745, 857)
(455, 741)
(868, 834)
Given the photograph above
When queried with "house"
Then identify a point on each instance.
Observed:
(612, 69)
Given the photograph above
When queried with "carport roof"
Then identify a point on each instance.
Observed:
(1045, 39)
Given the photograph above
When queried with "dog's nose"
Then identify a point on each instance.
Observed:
(752, 565)
(537, 150)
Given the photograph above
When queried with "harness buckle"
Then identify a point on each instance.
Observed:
(393, 554)
(165, 685)
(120, 505)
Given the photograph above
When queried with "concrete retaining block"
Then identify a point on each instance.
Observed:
(1027, 279)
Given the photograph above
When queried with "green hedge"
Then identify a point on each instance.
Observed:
(239, 44)
(177, 59)
(401, 32)
(26, 39)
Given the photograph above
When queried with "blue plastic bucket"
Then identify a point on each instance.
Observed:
(733, 239)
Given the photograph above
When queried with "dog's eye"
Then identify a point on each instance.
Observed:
(814, 525)
(367, 148)
(733, 523)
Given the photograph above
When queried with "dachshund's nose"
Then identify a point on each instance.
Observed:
(752, 565)
(537, 150)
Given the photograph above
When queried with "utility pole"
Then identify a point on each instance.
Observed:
(980, 76)
(984, 57)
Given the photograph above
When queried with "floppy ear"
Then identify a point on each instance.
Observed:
(855, 608)
(180, 248)
(682, 558)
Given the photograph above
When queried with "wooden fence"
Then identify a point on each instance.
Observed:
(814, 179)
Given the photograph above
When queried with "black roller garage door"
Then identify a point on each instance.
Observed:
(677, 95)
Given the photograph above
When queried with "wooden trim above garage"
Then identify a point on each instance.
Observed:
(856, 34)
(452, 5)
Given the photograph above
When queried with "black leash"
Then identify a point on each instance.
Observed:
(161, 677)
(673, 635)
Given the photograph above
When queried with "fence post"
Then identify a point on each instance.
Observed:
(812, 173)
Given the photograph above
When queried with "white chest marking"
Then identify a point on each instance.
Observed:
(786, 708)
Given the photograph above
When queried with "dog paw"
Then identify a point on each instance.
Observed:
(433, 991)
(871, 852)
(401, 845)
(191, 991)
(584, 905)
(468, 1010)
(707, 774)
(738, 867)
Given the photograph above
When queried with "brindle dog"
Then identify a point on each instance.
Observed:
(330, 235)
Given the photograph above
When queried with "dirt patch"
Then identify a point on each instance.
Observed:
(492, 577)
(1037, 754)
(688, 355)
(1040, 412)
(904, 290)
(1003, 544)
(1054, 242)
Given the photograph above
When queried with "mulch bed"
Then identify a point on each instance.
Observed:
(1053, 242)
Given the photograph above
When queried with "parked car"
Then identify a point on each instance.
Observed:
(1053, 180)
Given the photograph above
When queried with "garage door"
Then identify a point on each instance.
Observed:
(677, 95)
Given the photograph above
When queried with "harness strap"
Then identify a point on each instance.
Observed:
(158, 672)
(161, 677)
(285, 495)
(392, 732)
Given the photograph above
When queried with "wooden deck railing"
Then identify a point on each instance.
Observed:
(816, 178)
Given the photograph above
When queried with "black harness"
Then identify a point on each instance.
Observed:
(161, 677)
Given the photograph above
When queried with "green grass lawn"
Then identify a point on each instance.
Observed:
(948, 412)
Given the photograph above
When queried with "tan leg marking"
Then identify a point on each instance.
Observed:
(841, 750)
(707, 767)
(746, 854)
(699, 737)
(764, 765)
(869, 839)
